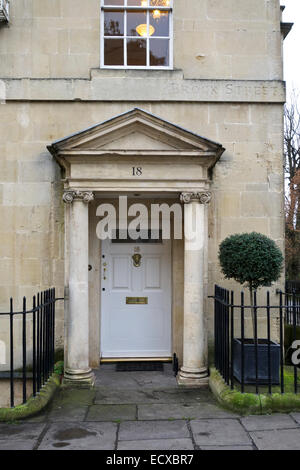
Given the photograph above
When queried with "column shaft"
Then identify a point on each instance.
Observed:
(77, 369)
(194, 371)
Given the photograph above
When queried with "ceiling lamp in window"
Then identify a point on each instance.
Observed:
(142, 30)
(159, 3)
(157, 14)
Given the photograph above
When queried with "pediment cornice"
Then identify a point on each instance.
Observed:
(136, 132)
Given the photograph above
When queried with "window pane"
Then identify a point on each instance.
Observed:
(136, 52)
(114, 2)
(113, 23)
(137, 3)
(159, 52)
(160, 21)
(160, 3)
(113, 52)
(134, 19)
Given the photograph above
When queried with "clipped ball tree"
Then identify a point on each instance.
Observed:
(251, 259)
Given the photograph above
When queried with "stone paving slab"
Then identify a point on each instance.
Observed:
(67, 396)
(21, 432)
(18, 445)
(144, 430)
(181, 411)
(296, 417)
(124, 397)
(67, 413)
(268, 423)
(219, 432)
(185, 396)
(155, 380)
(80, 436)
(127, 397)
(112, 413)
(212, 448)
(136, 380)
(285, 439)
(42, 417)
(162, 444)
(121, 380)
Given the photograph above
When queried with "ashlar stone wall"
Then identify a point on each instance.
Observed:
(51, 86)
(213, 39)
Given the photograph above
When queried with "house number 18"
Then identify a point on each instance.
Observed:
(137, 171)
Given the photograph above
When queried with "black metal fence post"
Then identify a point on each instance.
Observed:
(226, 321)
(232, 340)
(295, 312)
(243, 341)
(256, 342)
(41, 342)
(24, 353)
(216, 321)
(38, 349)
(269, 343)
(281, 342)
(11, 318)
(34, 346)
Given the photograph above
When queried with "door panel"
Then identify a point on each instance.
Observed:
(133, 329)
(152, 273)
(121, 273)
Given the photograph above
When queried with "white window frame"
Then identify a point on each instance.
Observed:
(134, 8)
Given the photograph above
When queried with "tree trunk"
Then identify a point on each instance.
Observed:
(252, 308)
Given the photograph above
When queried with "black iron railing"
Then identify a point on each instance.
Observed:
(41, 343)
(255, 360)
(292, 293)
(292, 287)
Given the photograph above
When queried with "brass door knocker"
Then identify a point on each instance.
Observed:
(137, 258)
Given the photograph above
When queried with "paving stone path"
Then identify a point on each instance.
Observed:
(146, 411)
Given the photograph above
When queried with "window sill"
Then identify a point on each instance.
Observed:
(136, 72)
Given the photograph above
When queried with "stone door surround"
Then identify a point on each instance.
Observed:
(101, 159)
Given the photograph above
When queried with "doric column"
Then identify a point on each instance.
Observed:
(194, 371)
(77, 370)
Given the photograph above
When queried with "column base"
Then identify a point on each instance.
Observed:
(190, 378)
(79, 378)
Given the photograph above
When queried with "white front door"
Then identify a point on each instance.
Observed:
(136, 300)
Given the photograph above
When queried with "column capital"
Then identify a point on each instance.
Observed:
(85, 196)
(202, 197)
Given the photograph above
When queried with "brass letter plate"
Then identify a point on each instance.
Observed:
(137, 300)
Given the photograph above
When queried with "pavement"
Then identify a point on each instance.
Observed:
(146, 411)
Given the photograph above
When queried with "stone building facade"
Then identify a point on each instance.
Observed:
(197, 104)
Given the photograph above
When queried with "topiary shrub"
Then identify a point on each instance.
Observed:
(251, 259)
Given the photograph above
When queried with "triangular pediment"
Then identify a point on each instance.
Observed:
(135, 130)
(136, 140)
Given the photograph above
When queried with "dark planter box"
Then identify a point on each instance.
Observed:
(249, 361)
